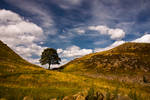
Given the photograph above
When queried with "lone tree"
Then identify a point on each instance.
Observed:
(49, 56)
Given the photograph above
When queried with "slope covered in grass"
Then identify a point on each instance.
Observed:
(6, 54)
(20, 80)
(129, 57)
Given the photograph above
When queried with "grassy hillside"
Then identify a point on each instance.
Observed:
(21, 80)
(129, 57)
(6, 54)
(127, 63)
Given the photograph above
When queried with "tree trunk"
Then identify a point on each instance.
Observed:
(49, 66)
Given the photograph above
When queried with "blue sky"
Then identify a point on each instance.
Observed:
(73, 27)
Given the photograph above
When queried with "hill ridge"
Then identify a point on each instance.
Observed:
(6, 53)
(125, 57)
(20, 80)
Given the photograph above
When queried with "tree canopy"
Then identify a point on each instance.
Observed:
(49, 56)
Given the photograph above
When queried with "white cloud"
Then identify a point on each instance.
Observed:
(21, 35)
(35, 61)
(43, 16)
(5, 15)
(75, 51)
(143, 39)
(115, 44)
(115, 34)
(69, 53)
(100, 28)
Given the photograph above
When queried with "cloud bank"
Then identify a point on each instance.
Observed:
(20, 34)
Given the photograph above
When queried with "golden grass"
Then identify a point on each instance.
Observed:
(19, 79)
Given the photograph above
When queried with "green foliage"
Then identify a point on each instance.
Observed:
(49, 56)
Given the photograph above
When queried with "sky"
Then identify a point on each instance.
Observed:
(73, 27)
